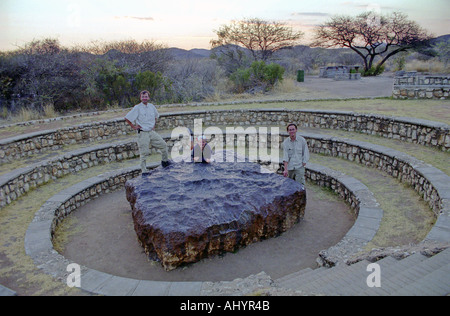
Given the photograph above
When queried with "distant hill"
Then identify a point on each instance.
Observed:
(201, 52)
(179, 53)
(198, 53)
(440, 39)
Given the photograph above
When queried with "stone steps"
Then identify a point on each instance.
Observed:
(414, 275)
(431, 276)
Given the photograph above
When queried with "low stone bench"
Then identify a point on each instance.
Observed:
(361, 200)
(38, 239)
(20, 181)
(4, 291)
(423, 132)
(431, 183)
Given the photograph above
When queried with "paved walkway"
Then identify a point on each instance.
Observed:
(112, 285)
(102, 283)
(416, 275)
(39, 246)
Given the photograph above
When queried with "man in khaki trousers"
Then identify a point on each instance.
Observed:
(143, 118)
(296, 155)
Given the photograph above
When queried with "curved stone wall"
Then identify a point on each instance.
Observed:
(431, 183)
(38, 239)
(20, 181)
(418, 131)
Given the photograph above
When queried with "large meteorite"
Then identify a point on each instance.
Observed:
(187, 212)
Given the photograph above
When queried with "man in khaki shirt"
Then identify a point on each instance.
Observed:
(296, 155)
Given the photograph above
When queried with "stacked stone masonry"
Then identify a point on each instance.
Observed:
(412, 130)
(38, 240)
(20, 181)
(421, 87)
(39, 246)
(431, 183)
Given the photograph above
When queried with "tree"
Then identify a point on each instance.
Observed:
(261, 38)
(136, 56)
(41, 73)
(372, 36)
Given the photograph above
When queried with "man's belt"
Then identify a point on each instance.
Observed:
(140, 130)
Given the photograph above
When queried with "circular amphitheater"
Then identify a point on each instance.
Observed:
(397, 202)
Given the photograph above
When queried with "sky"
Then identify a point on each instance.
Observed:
(185, 24)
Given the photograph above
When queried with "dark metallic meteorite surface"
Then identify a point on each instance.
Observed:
(188, 211)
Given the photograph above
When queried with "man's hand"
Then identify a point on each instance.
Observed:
(135, 127)
(286, 172)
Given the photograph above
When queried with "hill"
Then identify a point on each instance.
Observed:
(178, 53)
(440, 39)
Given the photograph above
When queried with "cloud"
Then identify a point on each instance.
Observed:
(149, 18)
(310, 14)
(369, 6)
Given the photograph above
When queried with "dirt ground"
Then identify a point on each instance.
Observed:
(380, 86)
(103, 238)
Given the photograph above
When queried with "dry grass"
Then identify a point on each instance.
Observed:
(14, 221)
(430, 66)
(288, 85)
(406, 219)
(28, 114)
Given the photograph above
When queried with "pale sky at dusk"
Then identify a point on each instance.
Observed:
(185, 24)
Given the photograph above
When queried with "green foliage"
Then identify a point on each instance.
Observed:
(43, 73)
(274, 73)
(373, 71)
(400, 61)
(258, 75)
(116, 85)
(241, 78)
(111, 81)
(6, 85)
(160, 87)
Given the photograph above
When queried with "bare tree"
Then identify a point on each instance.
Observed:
(261, 38)
(138, 56)
(372, 36)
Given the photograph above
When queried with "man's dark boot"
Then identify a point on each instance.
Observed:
(167, 163)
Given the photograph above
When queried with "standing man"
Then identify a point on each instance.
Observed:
(143, 118)
(296, 155)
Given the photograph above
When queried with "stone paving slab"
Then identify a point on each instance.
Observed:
(39, 246)
(362, 232)
(4, 291)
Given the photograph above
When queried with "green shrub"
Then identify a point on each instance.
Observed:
(373, 71)
(258, 75)
(160, 87)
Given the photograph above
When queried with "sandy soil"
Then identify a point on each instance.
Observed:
(105, 240)
(380, 86)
